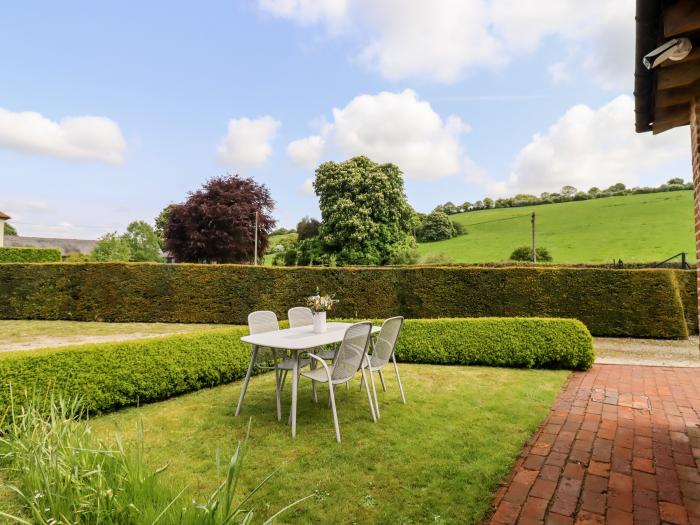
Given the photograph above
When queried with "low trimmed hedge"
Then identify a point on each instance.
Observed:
(113, 375)
(629, 303)
(10, 254)
(497, 341)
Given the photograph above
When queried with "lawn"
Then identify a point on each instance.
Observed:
(437, 459)
(25, 335)
(634, 228)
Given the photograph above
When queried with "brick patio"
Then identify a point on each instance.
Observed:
(621, 445)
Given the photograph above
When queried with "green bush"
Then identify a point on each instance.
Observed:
(108, 376)
(524, 253)
(491, 341)
(112, 375)
(436, 226)
(629, 303)
(10, 254)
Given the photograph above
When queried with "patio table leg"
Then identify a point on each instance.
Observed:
(278, 380)
(253, 354)
(295, 385)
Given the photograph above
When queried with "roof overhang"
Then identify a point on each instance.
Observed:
(4, 216)
(662, 95)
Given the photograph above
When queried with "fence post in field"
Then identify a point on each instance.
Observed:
(534, 244)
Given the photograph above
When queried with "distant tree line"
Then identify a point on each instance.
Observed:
(566, 194)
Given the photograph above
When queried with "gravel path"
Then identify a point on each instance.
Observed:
(649, 352)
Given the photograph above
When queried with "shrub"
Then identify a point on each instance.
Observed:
(625, 303)
(524, 253)
(108, 376)
(437, 226)
(509, 342)
(29, 255)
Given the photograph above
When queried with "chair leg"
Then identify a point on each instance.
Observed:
(362, 382)
(369, 397)
(398, 378)
(284, 378)
(381, 376)
(347, 385)
(331, 399)
(374, 392)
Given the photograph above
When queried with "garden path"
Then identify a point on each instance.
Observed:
(620, 445)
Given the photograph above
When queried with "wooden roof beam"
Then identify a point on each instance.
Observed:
(667, 118)
(677, 75)
(681, 17)
(671, 97)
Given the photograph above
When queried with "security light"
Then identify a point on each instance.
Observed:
(674, 49)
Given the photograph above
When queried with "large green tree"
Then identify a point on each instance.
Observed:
(364, 211)
(143, 242)
(111, 247)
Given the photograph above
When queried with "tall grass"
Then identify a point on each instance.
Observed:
(63, 475)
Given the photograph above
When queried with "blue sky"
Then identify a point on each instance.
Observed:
(469, 98)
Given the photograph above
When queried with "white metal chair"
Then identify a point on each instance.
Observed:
(349, 360)
(383, 351)
(303, 316)
(270, 358)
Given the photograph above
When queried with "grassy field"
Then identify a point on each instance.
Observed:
(634, 228)
(437, 459)
(25, 335)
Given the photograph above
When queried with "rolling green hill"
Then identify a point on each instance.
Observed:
(634, 228)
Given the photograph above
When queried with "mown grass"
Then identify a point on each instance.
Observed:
(437, 459)
(634, 228)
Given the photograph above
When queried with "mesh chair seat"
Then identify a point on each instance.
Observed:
(320, 375)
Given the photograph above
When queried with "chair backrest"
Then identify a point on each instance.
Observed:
(386, 341)
(300, 316)
(352, 351)
(262, 321)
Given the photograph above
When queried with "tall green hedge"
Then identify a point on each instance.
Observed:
(633, 303)
(113, 375)
(10, 254)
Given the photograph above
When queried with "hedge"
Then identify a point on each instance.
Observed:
(29, 255)
(631, 303)
(113, 375)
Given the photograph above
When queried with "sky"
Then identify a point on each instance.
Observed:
(110, 111)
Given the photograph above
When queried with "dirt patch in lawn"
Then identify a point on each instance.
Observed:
(55, 342)
(651, 352)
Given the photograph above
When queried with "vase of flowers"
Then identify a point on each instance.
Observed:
(320, 305)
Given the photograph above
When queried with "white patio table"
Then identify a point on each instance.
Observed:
(297, 340)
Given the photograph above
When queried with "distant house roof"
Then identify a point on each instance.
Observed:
(66, 246)
(4, 216)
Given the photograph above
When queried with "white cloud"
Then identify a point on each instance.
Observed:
(443, 40)
(248, 143)
(413, 38)
(307, 11)
(308, 187)
(73, 138)
(591, 147)
(307, 152)
(397, 128)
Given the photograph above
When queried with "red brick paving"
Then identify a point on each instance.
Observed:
(602, 456)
